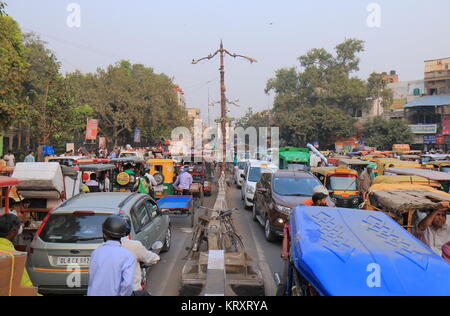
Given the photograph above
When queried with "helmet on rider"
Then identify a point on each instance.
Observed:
(116, 227)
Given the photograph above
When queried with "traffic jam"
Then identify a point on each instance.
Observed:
(62, 208)
(224, 156)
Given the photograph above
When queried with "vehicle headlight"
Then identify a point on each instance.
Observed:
(250, 190)
(334, 200)
(356, 201)
(284, 210)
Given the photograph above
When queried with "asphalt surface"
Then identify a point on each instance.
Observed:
(165, 277)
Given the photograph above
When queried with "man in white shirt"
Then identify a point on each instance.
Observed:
(10, 159)
(142, 255)
(434, 230)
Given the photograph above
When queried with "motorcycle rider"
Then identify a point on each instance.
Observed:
(112, 267)
(141, 254)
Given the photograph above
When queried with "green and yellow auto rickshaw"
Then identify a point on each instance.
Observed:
(163, 170)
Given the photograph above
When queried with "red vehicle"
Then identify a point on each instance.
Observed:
(6, 184)
(198, 172)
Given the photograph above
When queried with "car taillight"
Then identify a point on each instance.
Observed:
(43, 223)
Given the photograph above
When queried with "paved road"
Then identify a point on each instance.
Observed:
(165, 277)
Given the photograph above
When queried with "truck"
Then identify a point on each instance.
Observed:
(294, 159)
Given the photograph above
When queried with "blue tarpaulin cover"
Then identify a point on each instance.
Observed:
(341, 252)
(175, 202)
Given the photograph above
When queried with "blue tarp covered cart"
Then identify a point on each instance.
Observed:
(342, 252)
(178, 205)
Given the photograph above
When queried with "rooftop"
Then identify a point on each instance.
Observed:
(433, 100)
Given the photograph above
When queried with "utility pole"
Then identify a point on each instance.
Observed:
(223, 102)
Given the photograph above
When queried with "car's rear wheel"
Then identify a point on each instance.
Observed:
(167, 240)
(254, 212)
(268, 232)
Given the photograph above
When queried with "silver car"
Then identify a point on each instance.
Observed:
(58, 260)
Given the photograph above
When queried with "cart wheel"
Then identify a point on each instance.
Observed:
(202, 197)
(192, 216)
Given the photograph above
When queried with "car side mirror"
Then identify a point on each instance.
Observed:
(243, 176)
(157, 246)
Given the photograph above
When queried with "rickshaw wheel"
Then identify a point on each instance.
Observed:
(192, 216)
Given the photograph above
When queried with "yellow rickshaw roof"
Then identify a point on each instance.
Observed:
(439, 163)
(406, 187)
(403, 179)
(334, 170)
(153, 161)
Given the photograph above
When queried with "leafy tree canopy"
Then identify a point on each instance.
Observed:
(382, 133)
(13, 65)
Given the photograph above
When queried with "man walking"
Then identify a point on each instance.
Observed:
(10, 159)
(111, 271)
(184, 181)
(365, 179)
(30, 157)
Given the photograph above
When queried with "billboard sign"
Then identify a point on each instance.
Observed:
(91, 129)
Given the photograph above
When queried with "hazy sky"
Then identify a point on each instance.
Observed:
(167, 35)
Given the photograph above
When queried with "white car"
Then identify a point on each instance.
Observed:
(238, 171)
(126, 154)
(252, 173)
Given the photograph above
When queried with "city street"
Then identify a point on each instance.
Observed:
(165, 277)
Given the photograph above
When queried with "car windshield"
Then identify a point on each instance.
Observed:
(254, 174)
(123, 155)
(343, 183)
(298, 166)
(446, 169)
(73, 228)
(295, 186)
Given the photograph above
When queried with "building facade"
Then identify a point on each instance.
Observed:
(437, 76)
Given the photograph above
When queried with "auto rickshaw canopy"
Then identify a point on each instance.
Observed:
(405, 180)
(166, 167)
(402, 198)
(327, 171)
(331, 247)
(428, 174)
(96, 167)
(8, 182)
(439, 164)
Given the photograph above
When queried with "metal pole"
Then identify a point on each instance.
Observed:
(223, 101)
(223, 105)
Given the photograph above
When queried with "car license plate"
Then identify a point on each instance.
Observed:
(65, 261)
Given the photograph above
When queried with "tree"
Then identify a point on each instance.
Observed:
(319, 123)
(46, 94)
(382, 133)
(252, 119)
(13, 66)
(324, 79)
(377, 87)
(126, 96)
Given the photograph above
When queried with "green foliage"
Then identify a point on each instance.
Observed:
(318, 102)
(126, 96)
(309, 124)
(252, 119)
(13, 65)
(382, 133)
(377, 87)
(324, 80)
